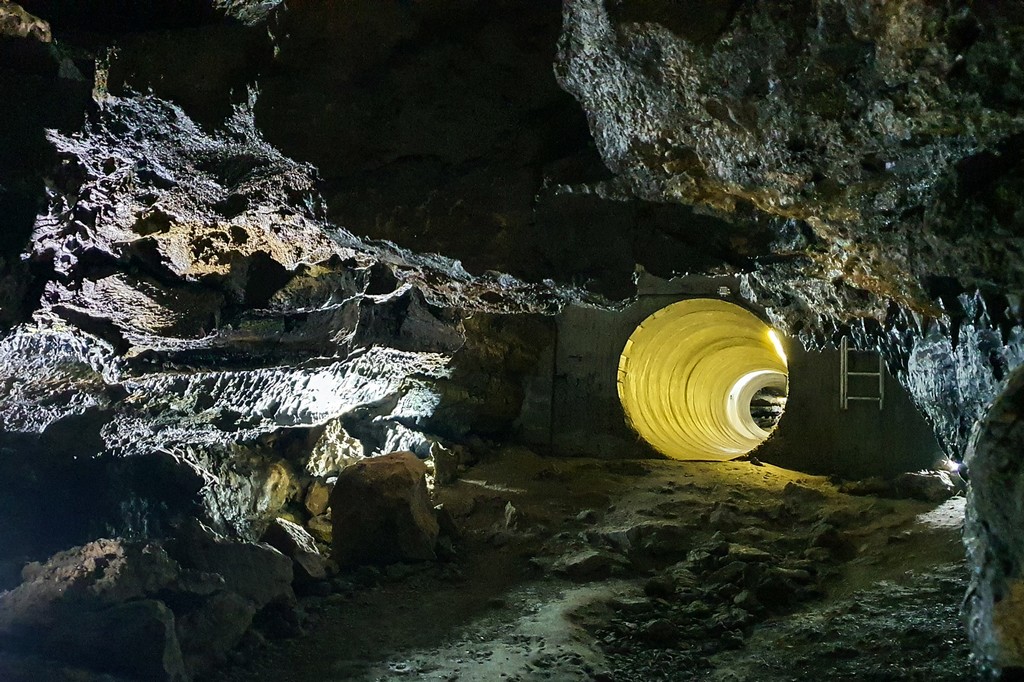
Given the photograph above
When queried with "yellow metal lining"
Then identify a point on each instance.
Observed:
(687, 374)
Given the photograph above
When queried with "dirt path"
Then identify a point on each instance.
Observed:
(649, 570)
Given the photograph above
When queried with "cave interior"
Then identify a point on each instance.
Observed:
(599, 340)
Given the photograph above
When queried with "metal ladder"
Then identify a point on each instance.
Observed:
(845, 374)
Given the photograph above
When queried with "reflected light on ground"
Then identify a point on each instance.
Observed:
(688, 373)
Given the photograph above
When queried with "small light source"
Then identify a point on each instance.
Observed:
(724, 291)
(950, 465)
(777, 342)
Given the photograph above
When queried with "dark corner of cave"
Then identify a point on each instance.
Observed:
(479, 340)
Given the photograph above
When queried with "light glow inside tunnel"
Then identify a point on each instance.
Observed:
(689, 372)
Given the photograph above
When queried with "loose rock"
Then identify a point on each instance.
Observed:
(381, 512)
(294, 541)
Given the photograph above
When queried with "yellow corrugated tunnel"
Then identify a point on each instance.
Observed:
(689, 372)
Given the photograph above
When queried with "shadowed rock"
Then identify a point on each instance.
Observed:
(382, 512)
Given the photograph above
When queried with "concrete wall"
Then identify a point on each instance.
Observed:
(816, 436)
(572, 403)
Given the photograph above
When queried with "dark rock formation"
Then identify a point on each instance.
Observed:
(294, 541)
(382, 512)
(850, 126)
(218, 292)
(131, 610)
(996, 597)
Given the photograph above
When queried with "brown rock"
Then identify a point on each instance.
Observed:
(294, 541)
(321, 528)
(382, 513)
(258, 572)
(318, 497)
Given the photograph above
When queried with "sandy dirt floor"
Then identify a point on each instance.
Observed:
(645, 570)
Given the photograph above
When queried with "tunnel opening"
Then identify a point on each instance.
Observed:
(703, 379)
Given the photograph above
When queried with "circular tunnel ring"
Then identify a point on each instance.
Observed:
(688, 373)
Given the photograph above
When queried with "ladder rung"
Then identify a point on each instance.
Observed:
(862, 397)
(863, 374)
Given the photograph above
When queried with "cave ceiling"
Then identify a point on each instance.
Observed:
(869, 146)
(217, 212)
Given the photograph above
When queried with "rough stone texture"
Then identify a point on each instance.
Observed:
(197, 315)
(591, 564)
(321, 528)
(995, 605)
(838, 120)
(294, 541)
(382, 513)
(928, 486)
(216, 627)
(15, 22)
(189, 293)
(257, 572)
(333, 451)
(129, 609)
(318, 497)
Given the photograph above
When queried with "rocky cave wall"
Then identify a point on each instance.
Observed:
(219, 236)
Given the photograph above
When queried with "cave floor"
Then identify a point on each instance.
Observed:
(583, 569)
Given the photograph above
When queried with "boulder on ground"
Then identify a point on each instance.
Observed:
(591, 564)
(140, 611)
(381, 512)
(927, 486)
(88, 606)
(214, 628)
(256, 571)
(294, 541)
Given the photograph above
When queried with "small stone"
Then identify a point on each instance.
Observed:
(591, 564)
(660, 587)
(802, 494)
(660, 631)
(730, 573)
(747, 601)
(511, 516)
(294, 541)
(587, 516)
(834, 541)
(796, 575)
(318, 497)
(747, 553)
(732, 639)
